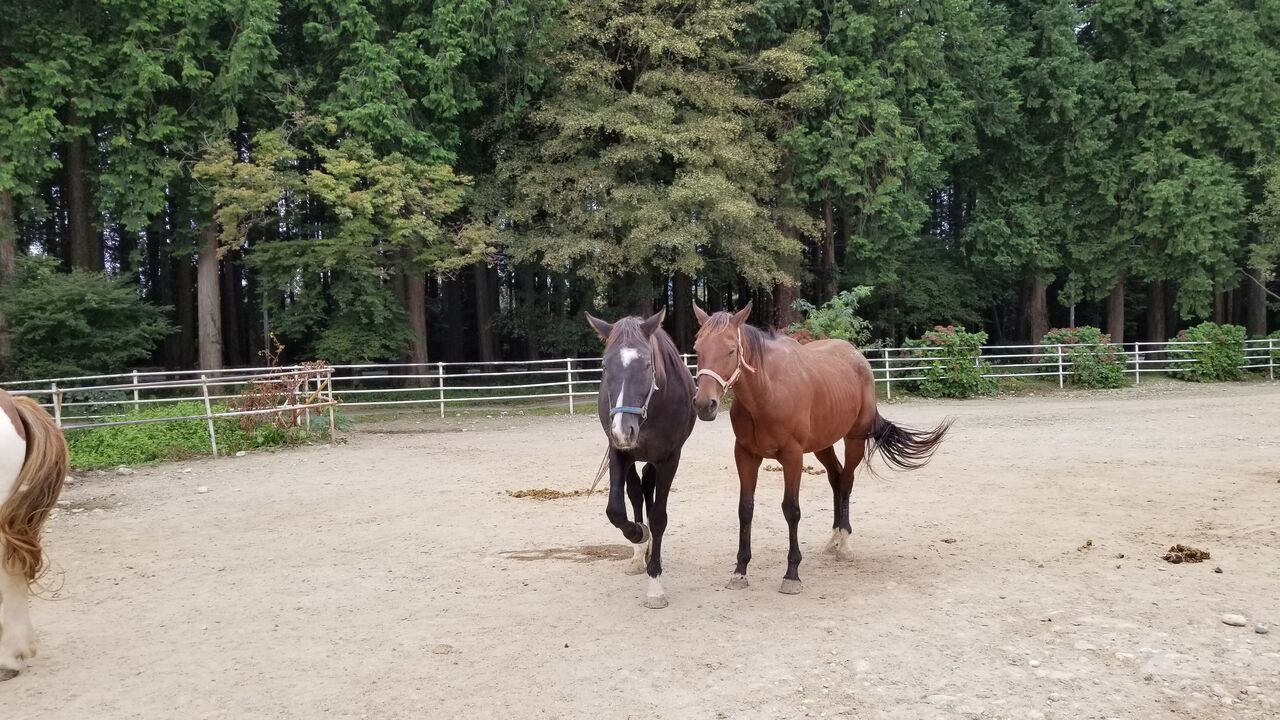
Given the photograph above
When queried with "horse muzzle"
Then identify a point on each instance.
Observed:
(707, 408)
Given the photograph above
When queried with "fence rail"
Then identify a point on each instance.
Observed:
(112, 400)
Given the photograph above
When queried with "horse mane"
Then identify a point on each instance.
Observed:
(753, 338)
(664, 349)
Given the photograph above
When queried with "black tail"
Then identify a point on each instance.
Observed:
(904, 448)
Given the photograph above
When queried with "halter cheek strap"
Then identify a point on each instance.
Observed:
(737, 370)
(642, 411)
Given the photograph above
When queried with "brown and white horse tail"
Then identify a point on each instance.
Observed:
(903, 447)
(23, 513)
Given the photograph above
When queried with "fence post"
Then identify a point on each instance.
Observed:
(1061, 375)
(1271, 358)
(56, 395)
(888, 376)
(1137, 363)
(208, 415)
(440, 372)
(333, 426)
(137, 405)
(569, 364)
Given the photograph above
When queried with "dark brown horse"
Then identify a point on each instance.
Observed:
(790, 399)
(646, 412)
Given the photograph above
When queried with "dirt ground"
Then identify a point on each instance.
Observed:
(394, 577)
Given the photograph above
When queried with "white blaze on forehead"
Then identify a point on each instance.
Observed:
(629, 354)
(617, 419)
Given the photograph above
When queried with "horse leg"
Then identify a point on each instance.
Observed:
(635, 491)
(18, 641)
(635, 533)
(748, 471)
(792, 463)
(854, 450)
(661, 477)
(827, 456)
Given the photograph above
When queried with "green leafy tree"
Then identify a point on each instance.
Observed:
(646, 153)
(1193, 90)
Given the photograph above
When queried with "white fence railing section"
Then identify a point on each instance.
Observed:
(311, 389)
(289, 396)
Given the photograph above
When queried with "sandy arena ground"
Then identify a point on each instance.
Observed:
(392, 577)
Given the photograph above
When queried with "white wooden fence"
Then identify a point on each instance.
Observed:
(108, 400)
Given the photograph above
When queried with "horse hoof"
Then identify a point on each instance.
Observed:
(655, 602)
(845, 555)
(738, 582)
(790, 587)
(635, 570)
(7, 674)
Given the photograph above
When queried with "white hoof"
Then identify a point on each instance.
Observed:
(639, 562)
(657, 597)
(738, 582)
(790, 587)
(838, 545)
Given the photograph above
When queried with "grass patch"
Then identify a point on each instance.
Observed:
(93, 448)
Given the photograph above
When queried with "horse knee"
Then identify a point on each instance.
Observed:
(618, 516)
(791, 509)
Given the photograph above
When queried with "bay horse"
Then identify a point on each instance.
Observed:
(33, 466)
(790, 399)
(646, 412)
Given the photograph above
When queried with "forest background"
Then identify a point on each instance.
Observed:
(408, 180)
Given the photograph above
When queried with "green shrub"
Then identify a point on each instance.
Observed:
(1275, 346)
(1091, 359)
(837, 319)
(1218, 361)
(76, 323)
(952, 366)
(175, 440)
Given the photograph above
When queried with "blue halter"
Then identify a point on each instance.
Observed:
(627, 409)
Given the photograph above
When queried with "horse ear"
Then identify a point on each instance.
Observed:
(654, 321)
(602, 328)
(740, 317)
(700, 314)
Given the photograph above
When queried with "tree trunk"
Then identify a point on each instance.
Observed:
(784, 298)
(209, 301)
(231, 314)
(526, 284)
(682, 311)
(85, 251)
(1037, 307)
(484, 312)
(1157, 327)
(183, 286)
(829, 284)
(451, 312)
(1115, 311)
(1255, 319)
(415, 304)
(8, 257)
(1219, 308)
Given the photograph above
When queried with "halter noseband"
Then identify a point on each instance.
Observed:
(737, 370)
